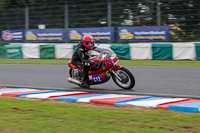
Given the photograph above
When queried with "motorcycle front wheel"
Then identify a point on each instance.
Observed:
(127, 81)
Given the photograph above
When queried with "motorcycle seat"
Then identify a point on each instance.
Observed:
(72, 66)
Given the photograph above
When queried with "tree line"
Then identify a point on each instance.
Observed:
(180, 15)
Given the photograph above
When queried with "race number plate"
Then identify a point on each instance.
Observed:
(97, 78)
(115, 60)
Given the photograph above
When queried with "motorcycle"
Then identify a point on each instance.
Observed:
(120, 75)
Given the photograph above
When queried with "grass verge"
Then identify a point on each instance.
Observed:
(51, 116)
(188, 63)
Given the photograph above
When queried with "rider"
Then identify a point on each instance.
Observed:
(80, 57)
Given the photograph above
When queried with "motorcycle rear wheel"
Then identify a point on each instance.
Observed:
(70, 72)
(128, 80)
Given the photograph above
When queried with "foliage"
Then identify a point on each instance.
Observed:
(182, 16)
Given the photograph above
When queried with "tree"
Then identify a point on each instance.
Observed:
(182, 16)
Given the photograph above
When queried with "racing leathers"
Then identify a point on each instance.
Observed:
(80, 59)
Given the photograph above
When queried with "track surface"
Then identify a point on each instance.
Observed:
(157, 81)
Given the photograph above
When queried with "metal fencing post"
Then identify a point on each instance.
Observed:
(158, 13)
(26, 14)
(109, 13)
(66, 14)
(26, 17)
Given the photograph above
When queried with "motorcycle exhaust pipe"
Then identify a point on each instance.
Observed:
(74, 81)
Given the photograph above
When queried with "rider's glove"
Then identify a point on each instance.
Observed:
(100, 64)
(87, 64)
(97, 64)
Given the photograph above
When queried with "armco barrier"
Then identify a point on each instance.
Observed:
(162, 51)
(47, 51)
(141, 51)
(133, 51)
(13, 51)
(2, 51)
(184, 51)
(30, 51)
(197, 50)
(63, 51)
(122, 50)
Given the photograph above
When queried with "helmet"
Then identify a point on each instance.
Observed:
(88, 42)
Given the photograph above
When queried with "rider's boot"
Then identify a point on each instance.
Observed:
(84, 81)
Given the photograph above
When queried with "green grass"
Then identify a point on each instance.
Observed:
(121, 62)
(34, 61)
(50, 116)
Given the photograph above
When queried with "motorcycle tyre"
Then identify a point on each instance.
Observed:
(130, 76)
(70, 72)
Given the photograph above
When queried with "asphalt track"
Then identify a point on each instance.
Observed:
(156, 81)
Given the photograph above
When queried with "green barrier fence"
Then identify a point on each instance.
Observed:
(47, 51)
(122, 50)
(197, 47)
(13, 51)
(75, 46)
(3, 43)
(3, 50)
(162, 52)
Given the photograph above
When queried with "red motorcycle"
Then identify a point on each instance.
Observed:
(121, 75)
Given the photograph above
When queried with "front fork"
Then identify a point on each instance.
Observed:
(113, 72)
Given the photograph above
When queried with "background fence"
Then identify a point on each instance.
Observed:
(183, 17)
